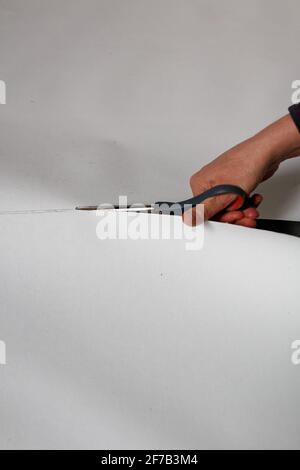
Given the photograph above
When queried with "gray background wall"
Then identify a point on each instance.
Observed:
(124, 344)
(109, 97)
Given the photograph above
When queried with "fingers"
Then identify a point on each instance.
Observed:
(217, 208)
(214, 205)
(245, 218)
(257, 199)
(237, 204)
(248, 218)
(233, 217)
(226, 204)
(246, 222)
(229, 217)
(250, 214)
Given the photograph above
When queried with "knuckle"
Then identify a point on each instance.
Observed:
(194, 181)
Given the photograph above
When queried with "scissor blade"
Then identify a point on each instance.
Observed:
(133, 208)
(34, 211)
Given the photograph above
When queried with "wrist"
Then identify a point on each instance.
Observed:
(279, 141)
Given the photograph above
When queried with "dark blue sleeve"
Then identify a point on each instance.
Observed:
(295, 113)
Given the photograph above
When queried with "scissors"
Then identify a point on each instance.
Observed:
(178, 208)
(288, 227)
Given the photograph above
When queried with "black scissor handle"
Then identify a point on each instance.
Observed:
(178, 208)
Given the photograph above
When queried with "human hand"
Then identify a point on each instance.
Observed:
(245, 165)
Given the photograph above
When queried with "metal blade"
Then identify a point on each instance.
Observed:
(34, 211)
(133, 208)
